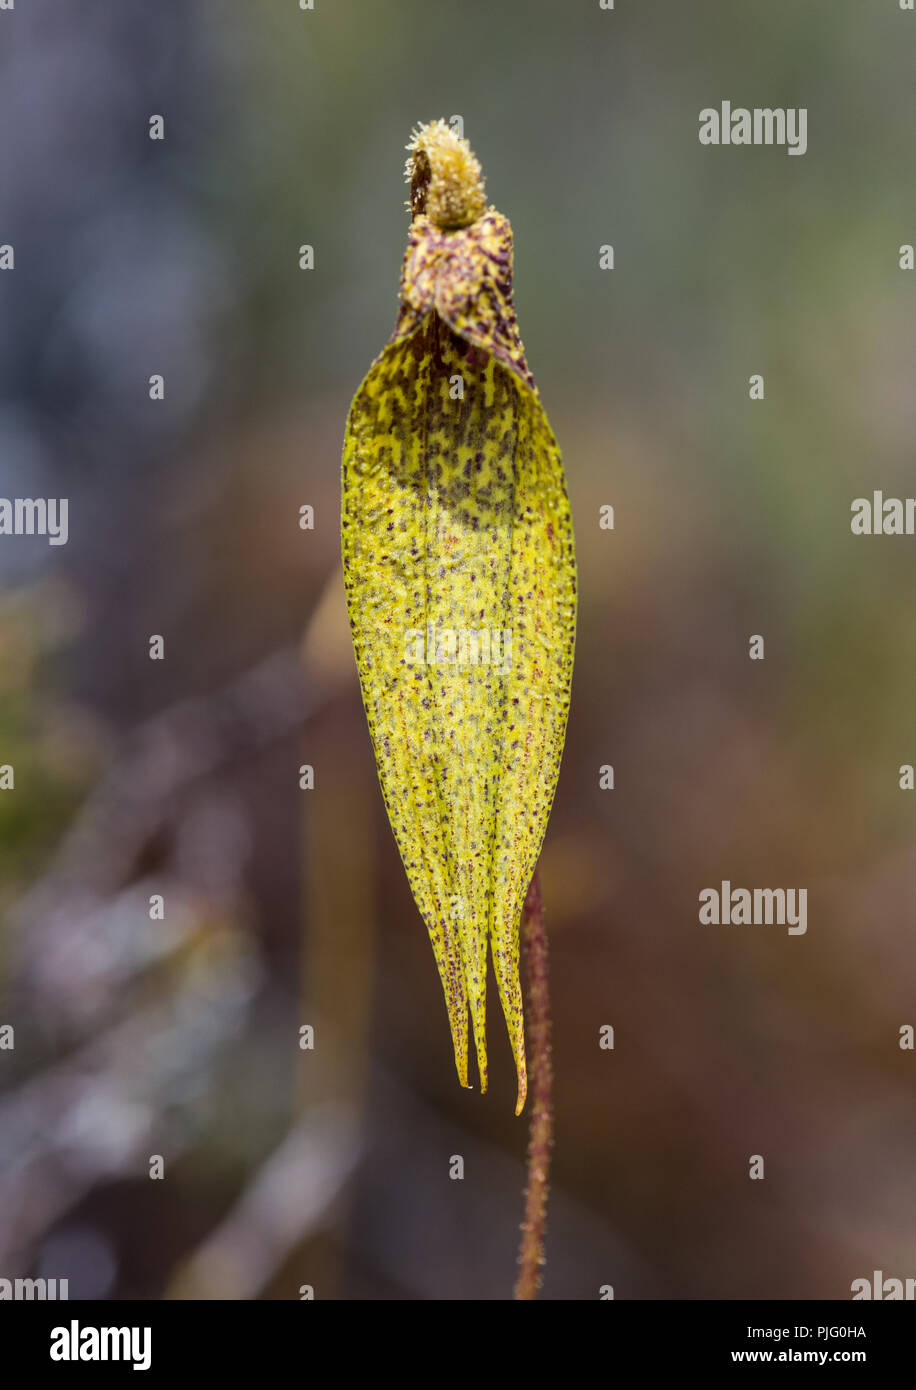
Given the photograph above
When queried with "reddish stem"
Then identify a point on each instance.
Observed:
(533, 939)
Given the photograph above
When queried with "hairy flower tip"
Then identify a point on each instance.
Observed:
(445, 178)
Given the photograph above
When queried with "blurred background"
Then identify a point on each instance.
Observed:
(178, 1035)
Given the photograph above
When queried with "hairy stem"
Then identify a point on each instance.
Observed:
(540, 1071)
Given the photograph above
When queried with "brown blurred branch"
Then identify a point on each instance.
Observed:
(290, 1198)
(191, 740)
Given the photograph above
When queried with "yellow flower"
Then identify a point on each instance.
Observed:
(461, 588)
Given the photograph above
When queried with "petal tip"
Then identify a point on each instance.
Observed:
(522, 1091)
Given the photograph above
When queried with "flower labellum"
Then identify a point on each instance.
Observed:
(460, 576)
